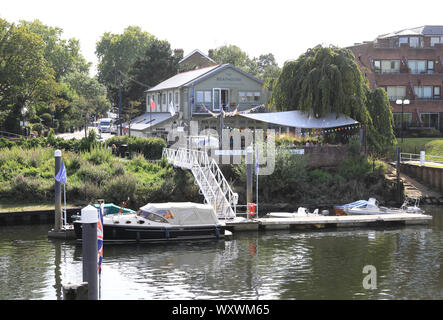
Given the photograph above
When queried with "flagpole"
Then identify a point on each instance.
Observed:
(64, 196)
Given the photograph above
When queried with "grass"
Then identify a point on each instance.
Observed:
(12, 206)
(415, 145)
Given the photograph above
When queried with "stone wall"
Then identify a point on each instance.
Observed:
(433, 177)
(325, 156)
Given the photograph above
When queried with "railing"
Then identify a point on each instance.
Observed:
(411, 157)
(11, 135)
(208, 176)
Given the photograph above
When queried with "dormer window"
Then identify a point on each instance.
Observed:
(402, 40)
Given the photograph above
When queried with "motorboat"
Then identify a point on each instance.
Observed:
(154, 222)
(372, 207)
(108, 209)
(301, 212)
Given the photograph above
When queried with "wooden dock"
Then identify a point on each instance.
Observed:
(322, 222)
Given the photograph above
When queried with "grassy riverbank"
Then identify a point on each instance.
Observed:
(27, 179)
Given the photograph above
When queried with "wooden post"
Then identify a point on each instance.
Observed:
(75, 291)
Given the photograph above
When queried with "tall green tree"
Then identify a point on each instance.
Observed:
(26, 78)
(157, 64)
(92, 92)
(231, 54)
(116, 55)
(324, 80)
(381, 132)
(62, 55)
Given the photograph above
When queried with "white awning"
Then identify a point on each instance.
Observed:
(299, 119)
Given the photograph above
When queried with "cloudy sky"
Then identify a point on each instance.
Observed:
(284, 28)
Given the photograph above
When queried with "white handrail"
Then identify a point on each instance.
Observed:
(196, 160)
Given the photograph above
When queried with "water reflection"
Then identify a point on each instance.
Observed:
(270, 265)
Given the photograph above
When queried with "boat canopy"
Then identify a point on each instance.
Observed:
(180, 213)
(300, 119)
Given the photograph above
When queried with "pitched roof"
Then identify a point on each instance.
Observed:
(181, 79)
(147, 120)
(418, 31)
(194, 76)
(196, 51)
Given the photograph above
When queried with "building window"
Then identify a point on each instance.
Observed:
(423, 92)
(416, 42)
(430, 66)
(204, 98)
(430, 120)
(396, 92)
(387, 66)
(437, 92)
(417, 66)
(435, 40)
(164, 98)
(176, 98)
(377, 66)
(402, 40)
(407, 119)
(170, 97)
(248, 96)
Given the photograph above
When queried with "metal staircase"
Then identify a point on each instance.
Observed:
(209, 178)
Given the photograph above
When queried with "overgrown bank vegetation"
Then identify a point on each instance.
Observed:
(293, 183)
(27, 175)
(94, 172)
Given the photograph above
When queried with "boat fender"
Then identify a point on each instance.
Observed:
(217, 232)
(166, 232)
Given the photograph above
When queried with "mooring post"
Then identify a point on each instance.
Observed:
(89, 219)
(58, 193)
(249, 172)
(398, 173)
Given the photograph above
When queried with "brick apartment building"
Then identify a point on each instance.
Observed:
(408, 64)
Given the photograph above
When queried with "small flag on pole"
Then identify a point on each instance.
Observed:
(152, 104)
(171, 109)
(256, 160)
(100, 238)
(61, 175)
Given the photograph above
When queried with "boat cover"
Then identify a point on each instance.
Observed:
(183, 213)
(353, 204)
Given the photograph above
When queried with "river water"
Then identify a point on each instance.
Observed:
(267, 265)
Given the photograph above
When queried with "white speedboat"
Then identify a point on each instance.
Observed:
(301, 212)
(161, 222)
(372, 207)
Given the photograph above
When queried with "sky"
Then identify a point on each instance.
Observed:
(281, 27)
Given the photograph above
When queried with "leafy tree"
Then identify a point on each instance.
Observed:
(92, 92)
(158, 63)
(323, 80)
(116, 54)
(63, 55)
(231, 54)
(26, 78)
(381, 132)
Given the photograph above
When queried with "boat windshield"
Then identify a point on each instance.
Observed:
(153, 217)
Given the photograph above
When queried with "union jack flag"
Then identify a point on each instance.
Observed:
(100, 238)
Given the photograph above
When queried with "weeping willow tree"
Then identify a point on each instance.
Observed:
(380, 127)
(322, 80)
(327, 80)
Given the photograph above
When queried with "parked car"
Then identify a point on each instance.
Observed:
(105, 125)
